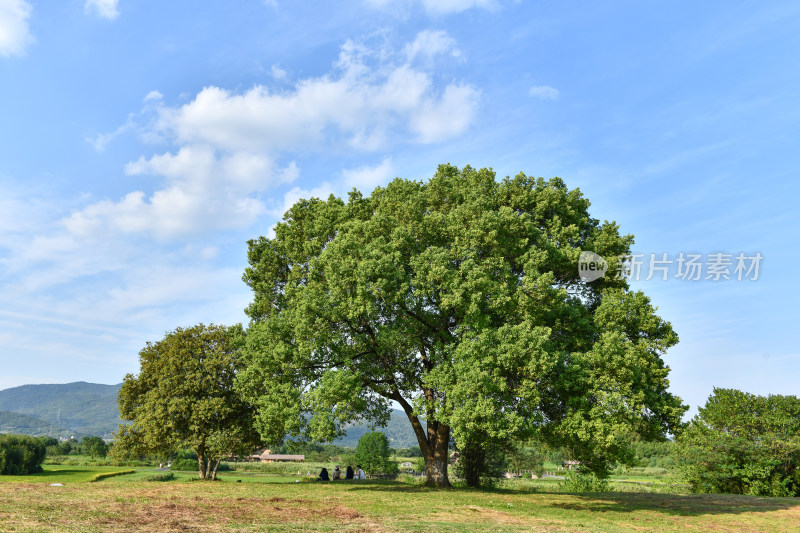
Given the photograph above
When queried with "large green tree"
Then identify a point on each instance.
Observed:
(183, 397)
(741, 443)
(458, 299)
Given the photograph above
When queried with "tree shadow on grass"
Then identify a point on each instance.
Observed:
(679, 504)
(619, 502)
(389, 486)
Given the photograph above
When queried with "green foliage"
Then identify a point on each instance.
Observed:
(161, 476)
(373, 453)
(740, 443)
(94, 447)
(21, 455)
(184, 397)
(48, 441)
(65, 448)
(524, 457)
(481, 460)
(460, 299)
(186, 465)
(412, 451)
(584, 482)
(654, 454)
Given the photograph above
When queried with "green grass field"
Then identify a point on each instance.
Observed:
(276, 502)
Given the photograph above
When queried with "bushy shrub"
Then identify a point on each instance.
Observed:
(740, 443)
(184, 464)
(162, 476)
(584, 482)
(21, 454)
(106, 475)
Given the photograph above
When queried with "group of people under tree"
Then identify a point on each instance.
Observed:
(349, 473)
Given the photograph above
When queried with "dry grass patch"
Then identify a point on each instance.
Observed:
(139, 506)
(188, 507)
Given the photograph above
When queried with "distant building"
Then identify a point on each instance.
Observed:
(569, 465)
(267, 457)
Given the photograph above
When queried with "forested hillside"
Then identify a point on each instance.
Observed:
(31, 425)
(83, 408)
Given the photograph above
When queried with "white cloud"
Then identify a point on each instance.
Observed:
(448, 117)
(204, 191)
(106, 9)
(431, 43)
(153, 96)
(14, 31)
(544, 92)
(224, 165)
(442, 7)
(101, 140)
(278, 73)
(357, 102)
(367, 178)
(435, 7)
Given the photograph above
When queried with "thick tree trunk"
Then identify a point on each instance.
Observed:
(204, 464)
(433, 443)
(437, 457)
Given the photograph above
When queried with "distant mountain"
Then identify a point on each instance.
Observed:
(84, 408)
(31, 425)
(398, 431)
(91, 409)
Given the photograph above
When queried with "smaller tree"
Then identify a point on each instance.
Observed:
(740, 443)
(373, 453)
(183, 397)
(94, 446)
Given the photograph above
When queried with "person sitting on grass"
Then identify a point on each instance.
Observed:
(348, 474)
(323, 475)
(337, 474)
(360, 473)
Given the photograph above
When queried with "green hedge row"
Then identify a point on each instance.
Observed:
(105, 475)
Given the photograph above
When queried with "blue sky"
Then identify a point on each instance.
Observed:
(142, 143)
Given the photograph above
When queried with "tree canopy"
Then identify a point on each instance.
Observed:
(741, 443)
(458, 299)
(183, 397)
